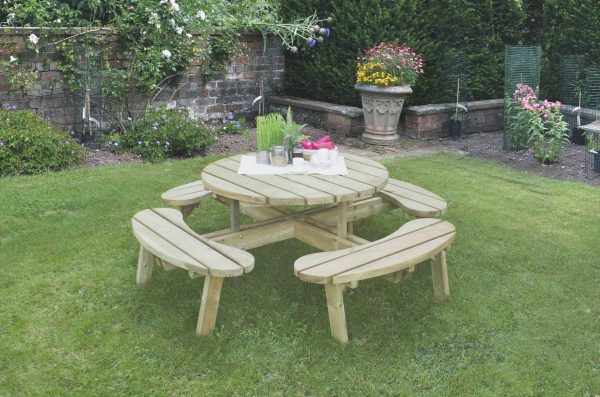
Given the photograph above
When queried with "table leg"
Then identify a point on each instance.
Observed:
(234, 215)
(342, 221)
(350, 224)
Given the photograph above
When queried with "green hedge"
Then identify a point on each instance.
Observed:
(479, 27)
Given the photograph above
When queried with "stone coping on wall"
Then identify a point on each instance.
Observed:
(342, 110)
(585, 113)
(436, 108)
(422, 122)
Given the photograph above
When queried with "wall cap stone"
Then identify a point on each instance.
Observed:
(436, 108)
(348, 111)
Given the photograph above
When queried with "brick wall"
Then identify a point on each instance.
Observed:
(231, 91)
(423, 122)
(432, 121)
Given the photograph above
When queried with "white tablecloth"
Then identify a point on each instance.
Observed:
(248, 166)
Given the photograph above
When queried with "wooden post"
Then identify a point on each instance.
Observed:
(439, 274)
(342, 221)
(187, 209)
(144, 268)
(234, 215)
(350, 228)
(337, 313)
(211, 294)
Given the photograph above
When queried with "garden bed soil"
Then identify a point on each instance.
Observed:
(485, 146)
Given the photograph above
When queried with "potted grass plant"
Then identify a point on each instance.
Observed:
(292, 134)
(269, 132)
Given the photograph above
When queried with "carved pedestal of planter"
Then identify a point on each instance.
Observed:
(381, 108)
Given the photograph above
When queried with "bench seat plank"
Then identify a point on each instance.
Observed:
(215, 259)
(164, 236)
(392, 256)
(592, 127)
(413, 200)
(321, 268)
(396, 262)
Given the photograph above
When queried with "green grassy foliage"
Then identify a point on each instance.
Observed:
(479, 28)
(523, 317)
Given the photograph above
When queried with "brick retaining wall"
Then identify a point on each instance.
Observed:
(231, 91)
(423, 122)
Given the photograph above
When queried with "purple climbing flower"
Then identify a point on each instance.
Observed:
(312, 43)
(238, 125)
(230, 116)
(327, 32)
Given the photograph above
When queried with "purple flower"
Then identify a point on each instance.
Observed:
(230, 116)
(1, 144)
(327, 32)
(312, 43)
(238, 125)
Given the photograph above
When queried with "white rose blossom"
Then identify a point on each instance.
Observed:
(189, 36)
(201, 14)
(33, 38)
(166, 54)
(179, 30)
(13, 59)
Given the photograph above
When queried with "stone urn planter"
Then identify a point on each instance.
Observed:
(381, 109)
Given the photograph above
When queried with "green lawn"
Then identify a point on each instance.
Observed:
(523, 316)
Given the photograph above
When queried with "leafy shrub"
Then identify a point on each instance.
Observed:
(233, 126)
(163, 133)
(538, 123)
(480, 28)
(30, 145)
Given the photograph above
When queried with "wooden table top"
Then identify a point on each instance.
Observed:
(365, 178)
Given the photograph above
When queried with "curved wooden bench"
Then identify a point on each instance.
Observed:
(186, 197)
(413, 243)
(163, 235)
(413, 200)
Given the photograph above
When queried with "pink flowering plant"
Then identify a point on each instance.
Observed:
(538, 123)
(389, 64)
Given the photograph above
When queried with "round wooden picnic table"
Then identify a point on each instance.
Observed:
(365, 178)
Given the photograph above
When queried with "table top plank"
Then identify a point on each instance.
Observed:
(274, 195)
(364, 161)
(363, 189)
(376, 181)
(311, 196)
(352, 164)
(233, 191)
(339, 192)
(365, 178)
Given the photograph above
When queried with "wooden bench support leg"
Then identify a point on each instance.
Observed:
(234, 215)
(337, 313)
(144, 268)
(187, 209)
(439, 274)
(209, 306)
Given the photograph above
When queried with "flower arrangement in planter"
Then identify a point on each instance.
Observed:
(539, 124)
(383, 78)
